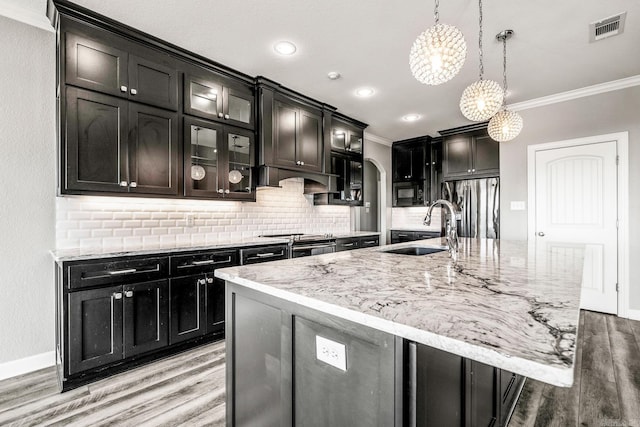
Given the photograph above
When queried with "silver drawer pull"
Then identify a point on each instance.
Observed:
(403, 235)
(128, 294)
(266, 254)
(117, 295)
(347, 244)
(205, 262)
(117, 272)
(370, 242)
(209, 279)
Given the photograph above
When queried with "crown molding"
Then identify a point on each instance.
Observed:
(377, 139)
(577, 93)
(25, 15)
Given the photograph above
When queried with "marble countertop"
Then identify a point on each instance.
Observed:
(79, 254)
(509, 304)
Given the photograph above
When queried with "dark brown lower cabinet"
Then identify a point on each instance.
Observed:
(188, 307)
(215, 304)
(108, 324)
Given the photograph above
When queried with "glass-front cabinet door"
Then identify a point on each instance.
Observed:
(239, 106)
(202, 160)
(203, 97)
(240, 155)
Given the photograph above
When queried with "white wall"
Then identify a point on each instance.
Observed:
(27, 189)
(110, 222)
(600, 114)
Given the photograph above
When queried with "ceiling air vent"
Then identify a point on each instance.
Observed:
(607, 27)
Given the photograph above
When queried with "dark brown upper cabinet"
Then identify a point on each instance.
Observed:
(297, 136)
(218, 161)
(121, 68)
(213, 97)
(470, 155)
(346, 137)
(409, 160)
(116, 146)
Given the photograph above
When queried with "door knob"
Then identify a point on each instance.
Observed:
(123, 88)
(226, 116)
(226, 191)
(220, 115)
(541, 233)
(123, 183)
(134, 91)
(128, 294)
(220, 190)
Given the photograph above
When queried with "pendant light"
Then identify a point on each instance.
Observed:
(481, 100)
(438, 54)
(235, 176)
(197, 171)
(505, 125)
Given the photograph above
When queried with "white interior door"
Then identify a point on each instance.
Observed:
(576, 203)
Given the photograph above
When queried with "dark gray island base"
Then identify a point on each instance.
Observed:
(290, 365)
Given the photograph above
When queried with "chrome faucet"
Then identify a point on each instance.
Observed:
(451, 229)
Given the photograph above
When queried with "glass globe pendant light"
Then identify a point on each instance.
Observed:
(438, 54)
(481, 100)
(197, 171)
(505, 125)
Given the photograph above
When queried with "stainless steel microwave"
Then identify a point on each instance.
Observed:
(408, 194)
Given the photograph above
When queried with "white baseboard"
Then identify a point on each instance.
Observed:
(633, 314)
(27, 364)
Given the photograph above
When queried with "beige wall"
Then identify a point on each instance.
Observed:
(595, 115)
(27, 193)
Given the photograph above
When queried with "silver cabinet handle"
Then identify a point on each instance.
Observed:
(128, 294)
(204, 262)
(220, 115)
(134, 92)
(468, 170)
(123, 183)
(370, 242)
(117, 295)
(403, 235)
(133, 184)
(220, 190)
(473, 170)
(265, 254)
(201, 281)
(298, 162)
(541, 233)
(118, 272)
(226, 116)
(347, 245)
(226, 191)
(123, 88)
(302, 163)
(209, 279)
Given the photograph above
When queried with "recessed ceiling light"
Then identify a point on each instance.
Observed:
(411, 117)
(285, 48)
(333, 75)
(364, 92)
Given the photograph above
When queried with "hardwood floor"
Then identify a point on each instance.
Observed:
(185, 389)
(606, 388)
(188, 389)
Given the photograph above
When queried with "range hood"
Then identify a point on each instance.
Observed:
(269, 176)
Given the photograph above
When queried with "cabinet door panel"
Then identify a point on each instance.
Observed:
(202, 97)
(187, 308)
(239, 105)
(487, 155)
(95, 328)
(95, 66)
(284, 143)
(401, 164)
(96, 141)
(146, 317)
(215, 304)
(153, 150)
(309, 148)
(153, 83)
(240, 156)
(457, 156)
(483, 394)
(203, 150)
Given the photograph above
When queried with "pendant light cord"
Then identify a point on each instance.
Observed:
(480, 40)
(504, 69)
(436, 14)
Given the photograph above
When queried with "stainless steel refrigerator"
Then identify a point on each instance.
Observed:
(479, 203)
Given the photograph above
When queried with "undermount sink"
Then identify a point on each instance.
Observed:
(416, 250)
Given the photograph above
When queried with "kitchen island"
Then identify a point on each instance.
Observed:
(373, 338)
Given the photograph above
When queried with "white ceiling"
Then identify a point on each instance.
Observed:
(368, 42)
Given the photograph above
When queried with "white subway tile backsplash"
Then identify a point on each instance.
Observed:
(412, 217)
(111, 221)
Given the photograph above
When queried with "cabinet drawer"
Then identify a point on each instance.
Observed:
(263, 254)
(121, 271)
(346, 244)
(183, 265)
(419, 235)
(369, 241)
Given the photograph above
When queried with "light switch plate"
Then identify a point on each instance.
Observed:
(331, 352)
(517, 205)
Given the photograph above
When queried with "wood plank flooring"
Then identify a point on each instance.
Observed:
(606, 389)
(188, 389)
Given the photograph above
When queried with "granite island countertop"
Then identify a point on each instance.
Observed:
(510, 304)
